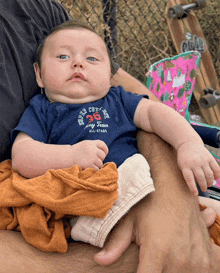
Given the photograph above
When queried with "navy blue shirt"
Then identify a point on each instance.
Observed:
(109, 119)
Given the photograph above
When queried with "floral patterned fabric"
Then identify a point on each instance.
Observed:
(172, 80)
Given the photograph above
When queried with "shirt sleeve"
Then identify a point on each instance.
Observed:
(130, 100)
(33, 121)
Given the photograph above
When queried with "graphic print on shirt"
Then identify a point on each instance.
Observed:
(94, 119)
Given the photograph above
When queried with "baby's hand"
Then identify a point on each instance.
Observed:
(197, 164)
(89, 153)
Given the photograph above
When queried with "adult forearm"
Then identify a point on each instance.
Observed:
(167, 224)
(172, 212)
(170, 186)
(131, 84)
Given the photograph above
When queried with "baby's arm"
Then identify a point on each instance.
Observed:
(194, 160)
(32, 158)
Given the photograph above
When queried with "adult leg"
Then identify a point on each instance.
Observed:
(17, 256)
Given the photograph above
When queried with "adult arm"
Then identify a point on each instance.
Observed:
(167, 225)
(131, 84)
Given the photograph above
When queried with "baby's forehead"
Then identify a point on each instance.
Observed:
(77, 34)
(75, 38)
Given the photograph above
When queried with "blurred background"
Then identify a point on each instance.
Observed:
(136, 30)
(137, 34)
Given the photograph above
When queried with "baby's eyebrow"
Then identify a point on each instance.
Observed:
(92, 50)
(65, 46)
(89, 49)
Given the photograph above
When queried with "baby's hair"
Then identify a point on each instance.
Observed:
(71, 24)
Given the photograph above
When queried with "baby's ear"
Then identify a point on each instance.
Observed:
(38, 75)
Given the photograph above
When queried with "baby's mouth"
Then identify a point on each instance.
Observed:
(77, 77)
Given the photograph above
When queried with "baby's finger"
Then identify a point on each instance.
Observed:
(98, 163)
(215, 168)
(101, 154)
(101, 145)
(200, 178)
(209, 175)
(190, 181)
(95, 167)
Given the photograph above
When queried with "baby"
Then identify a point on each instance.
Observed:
(80, 119)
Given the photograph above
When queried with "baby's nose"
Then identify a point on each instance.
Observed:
(78, 62)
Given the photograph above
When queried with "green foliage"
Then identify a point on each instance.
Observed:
(166, 97)
(162, 77)
(180, 93)
(149, 81)
(158, 87)
(160, 71)
(188, 86)
(192, 74)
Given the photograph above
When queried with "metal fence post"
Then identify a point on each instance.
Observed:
(109, 15)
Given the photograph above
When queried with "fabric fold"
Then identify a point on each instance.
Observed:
(37, 207)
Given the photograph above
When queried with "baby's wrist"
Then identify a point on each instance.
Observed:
(190, 143)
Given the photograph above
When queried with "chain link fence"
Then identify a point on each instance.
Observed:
(136, 31)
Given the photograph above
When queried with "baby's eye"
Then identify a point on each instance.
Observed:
(93, 59)
(63, 57)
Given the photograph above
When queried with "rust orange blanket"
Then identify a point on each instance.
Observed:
(39, 207)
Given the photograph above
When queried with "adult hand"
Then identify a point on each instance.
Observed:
(90, 153)
(167, 225)
(166, 244)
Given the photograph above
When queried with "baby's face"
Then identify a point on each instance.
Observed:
(75, 67)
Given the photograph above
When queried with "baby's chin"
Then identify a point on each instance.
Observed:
(74, 100)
